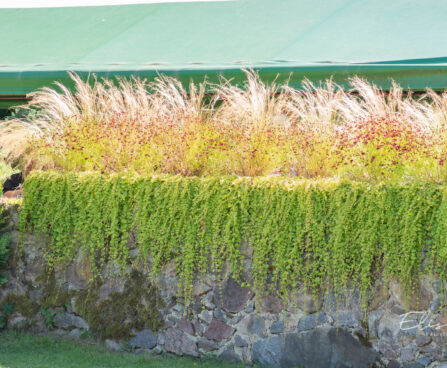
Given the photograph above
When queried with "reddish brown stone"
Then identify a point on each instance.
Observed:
(218, 330)
(186, 326)
(232, 297)
(270, 304)
(417, 299)
(179, 343)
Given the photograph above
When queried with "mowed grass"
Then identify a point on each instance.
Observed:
(22, 350)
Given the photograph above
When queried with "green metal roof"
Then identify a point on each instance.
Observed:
(381, 39)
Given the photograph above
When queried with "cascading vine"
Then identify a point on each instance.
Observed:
(324, 234)
(4, 242)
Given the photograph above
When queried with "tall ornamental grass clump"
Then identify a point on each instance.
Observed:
(162, 127)
(323, 234)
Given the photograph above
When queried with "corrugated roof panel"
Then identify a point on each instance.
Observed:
(402, 39)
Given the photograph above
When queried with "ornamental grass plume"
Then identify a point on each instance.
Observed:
(254, 129)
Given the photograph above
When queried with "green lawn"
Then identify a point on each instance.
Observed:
(21, 350)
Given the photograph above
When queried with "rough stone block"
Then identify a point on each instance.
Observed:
(311, 321)
(270, 304)
(186, 326)
(232, 297)
(69, 321)
(144, 339)
(240, 342)
(179, 343)
(277, 327)
(218, 330)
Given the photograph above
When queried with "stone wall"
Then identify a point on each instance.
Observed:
(224, 320)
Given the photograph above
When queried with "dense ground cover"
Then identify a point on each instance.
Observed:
(321, 233)
(252, 130)
(20, 350)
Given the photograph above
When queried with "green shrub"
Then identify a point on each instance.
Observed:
(323, 234)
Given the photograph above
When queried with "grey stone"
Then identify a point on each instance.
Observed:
(206, 316)
(229, 355)
(240, 342)
(161, 339)
(196, 307)
(389, 327)
(277, 327)
(406, 355)
(207, 345)
(437, 286)
(232, 297)
(113, 345)
(253, 324)
(207, 301)
(178, 308)
(218, 330)
(347, 319)
(433, 352)
(412, 365)
(177, 342)
(374, 321)
(346, 299)
(389, 351)
(198, 327)
(435, 305)
(390, 354)
(220, 314)
(268, 352)
(310, 350)
(75, 334)
(186, 326)
(36, 293)
(250, 308)
(69, 321)
(422, 340)
(425, 361)
(144, 339)
(393, 364)
(236, 319)
(311, 321)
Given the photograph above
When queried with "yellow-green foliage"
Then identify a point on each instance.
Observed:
(4, 243)
(320, 233)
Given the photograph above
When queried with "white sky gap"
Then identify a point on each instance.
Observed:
(69, 3)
